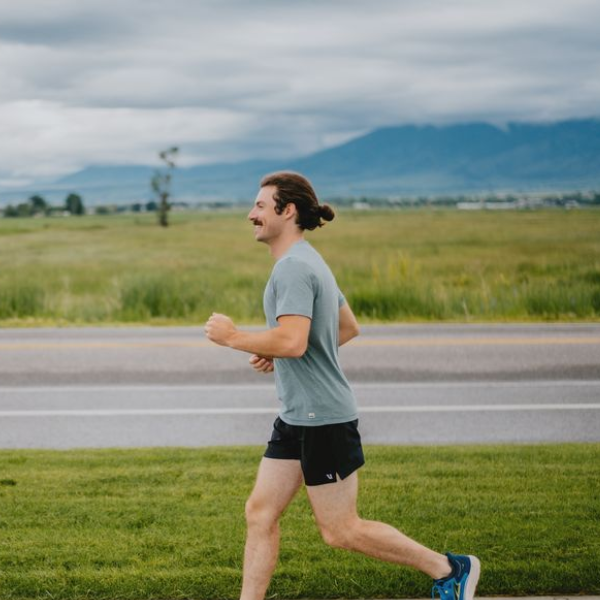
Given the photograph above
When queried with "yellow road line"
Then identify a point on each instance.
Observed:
(401, 342)
(478, 341)
(101, 345)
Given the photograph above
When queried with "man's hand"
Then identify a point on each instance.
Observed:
(220, 329)
(261, 364)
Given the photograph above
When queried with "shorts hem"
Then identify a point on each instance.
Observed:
(347, 473)
(280, 454)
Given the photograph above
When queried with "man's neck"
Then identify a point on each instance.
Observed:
(282, 244)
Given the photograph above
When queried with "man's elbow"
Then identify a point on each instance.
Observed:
(294, 348)
(298, 349)
(351, 331)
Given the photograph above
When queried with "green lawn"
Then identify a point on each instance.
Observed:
(411, 265)
(168, 523)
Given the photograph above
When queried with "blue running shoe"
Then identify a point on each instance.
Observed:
(461, 583)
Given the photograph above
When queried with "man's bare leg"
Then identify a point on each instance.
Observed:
(334, 506)
(276, 485)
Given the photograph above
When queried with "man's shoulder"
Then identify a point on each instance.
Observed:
(299, 264)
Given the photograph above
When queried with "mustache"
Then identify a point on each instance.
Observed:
(256, 222)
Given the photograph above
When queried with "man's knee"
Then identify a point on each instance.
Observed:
(260, 514)
(341, 534)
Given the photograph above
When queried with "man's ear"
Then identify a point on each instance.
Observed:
(290, 211)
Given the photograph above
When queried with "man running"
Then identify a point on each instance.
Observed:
(315, 439)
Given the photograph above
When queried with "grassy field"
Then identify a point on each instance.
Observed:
(168, 523)
(419, 265)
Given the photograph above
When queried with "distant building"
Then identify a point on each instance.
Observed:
(470, 205)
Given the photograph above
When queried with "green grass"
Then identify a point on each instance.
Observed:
(413, 265)
(168, 523)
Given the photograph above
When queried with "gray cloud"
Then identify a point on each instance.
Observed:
(108, 82)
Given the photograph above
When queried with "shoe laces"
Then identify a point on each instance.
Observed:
(443, 590)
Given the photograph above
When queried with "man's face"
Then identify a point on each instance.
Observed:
(267, 223)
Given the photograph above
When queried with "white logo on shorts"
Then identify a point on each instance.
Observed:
(329, 476)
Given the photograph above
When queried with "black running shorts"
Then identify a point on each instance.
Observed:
(324, 451)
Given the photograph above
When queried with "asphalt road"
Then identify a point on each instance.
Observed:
(66, 388)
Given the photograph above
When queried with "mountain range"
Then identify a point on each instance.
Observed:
(388, 162)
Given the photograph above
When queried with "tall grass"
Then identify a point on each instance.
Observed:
(427, 265)
(151, 296)
(20, 298)
(396, 291)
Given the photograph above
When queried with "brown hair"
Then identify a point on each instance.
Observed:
(293, 188)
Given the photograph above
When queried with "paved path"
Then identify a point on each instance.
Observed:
(402, 353)
(415, 385)
(205, 415)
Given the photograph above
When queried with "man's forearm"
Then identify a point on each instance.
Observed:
(273, 343)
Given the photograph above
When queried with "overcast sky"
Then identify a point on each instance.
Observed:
(114, 81)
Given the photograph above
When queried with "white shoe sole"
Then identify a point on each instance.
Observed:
(473, 578)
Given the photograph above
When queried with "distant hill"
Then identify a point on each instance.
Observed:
(393, 161)
(461, 158)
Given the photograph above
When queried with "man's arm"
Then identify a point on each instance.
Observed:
(348, 330)
(348, 324)
(288, 340)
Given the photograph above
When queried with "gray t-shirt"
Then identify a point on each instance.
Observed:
(312, 389)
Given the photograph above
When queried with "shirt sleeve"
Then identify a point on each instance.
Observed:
(341, 298)
(294, 289)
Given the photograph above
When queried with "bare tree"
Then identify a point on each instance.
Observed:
(161, 184)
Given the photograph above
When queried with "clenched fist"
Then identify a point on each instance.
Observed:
(219, 329)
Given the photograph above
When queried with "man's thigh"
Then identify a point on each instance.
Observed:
(277, 482)
(334, 504)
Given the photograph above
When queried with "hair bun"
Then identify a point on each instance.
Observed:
(326, 212)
